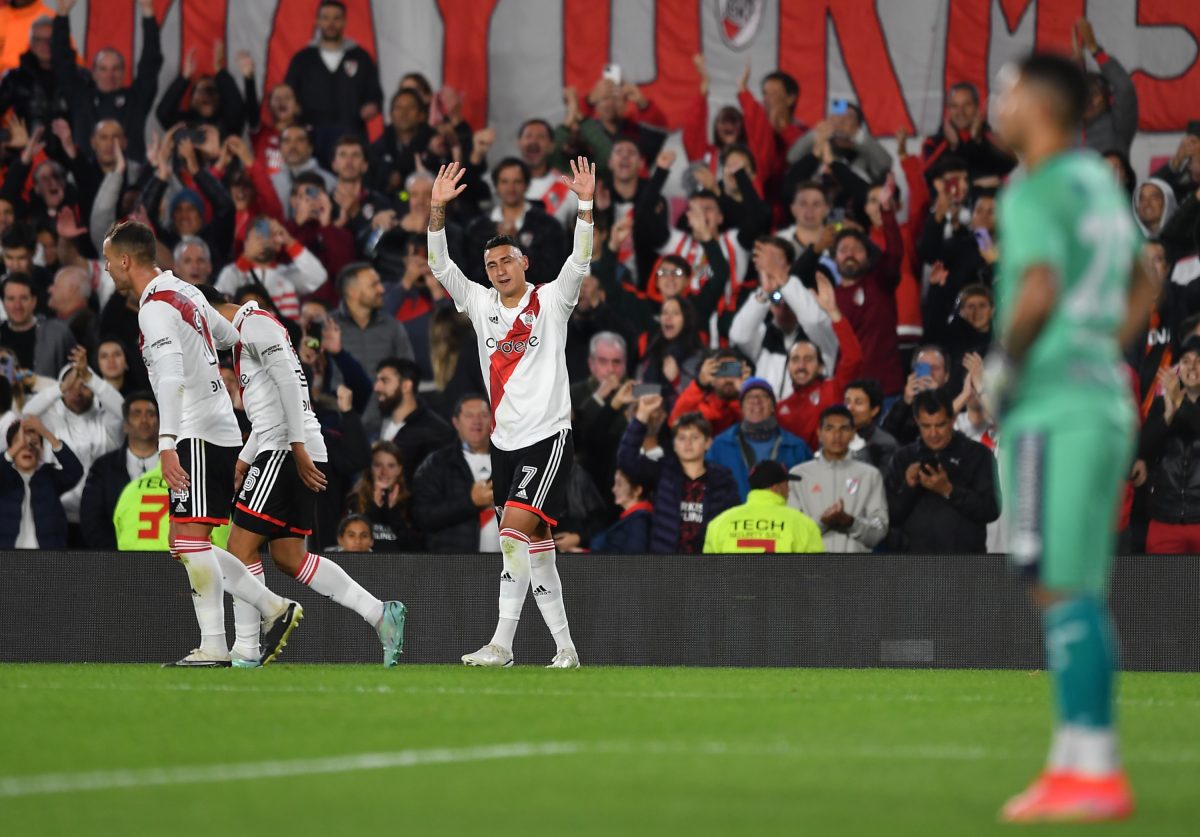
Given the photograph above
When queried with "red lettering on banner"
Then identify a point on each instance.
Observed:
(676, 40)
(1052, 24)
(202, 25)
(294, 27)
(466, 25)
(587, 32)
(804, 53)
(1161, 100)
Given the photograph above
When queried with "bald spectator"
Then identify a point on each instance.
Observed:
(70, 293)
(102, 94)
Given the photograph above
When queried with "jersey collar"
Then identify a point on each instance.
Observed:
(150, 289)
(243, 312)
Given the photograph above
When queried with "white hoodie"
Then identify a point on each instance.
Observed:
(1169, 207)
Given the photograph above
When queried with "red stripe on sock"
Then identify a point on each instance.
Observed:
(256, 568)
(310, 568)
(515, 534)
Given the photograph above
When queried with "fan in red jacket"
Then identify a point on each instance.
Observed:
(800, 413)
(713, 395)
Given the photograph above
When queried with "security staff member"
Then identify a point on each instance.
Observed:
(764, 523)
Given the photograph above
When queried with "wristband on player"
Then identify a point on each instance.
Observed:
(166, 443)
(585, 205)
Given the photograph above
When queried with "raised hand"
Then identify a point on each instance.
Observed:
(698, 221)
(331, 336)
(583, 179)
(245, 63)
(1087, 35)
(146, 7)
(447, 185)
(481, 143)
(218, 55)
(345, 399)
(938, 274)
(744, 79)
(65, 6)
(18, 132)
(702, 70)
(189, 65)
(902, 142)
(620, 233)
(62, 129)
(68, 225)
(827, 298)
(34, 146)
(665, 159)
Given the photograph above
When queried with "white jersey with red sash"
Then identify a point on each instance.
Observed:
(180, 336)
(522, 350)
(274, 388)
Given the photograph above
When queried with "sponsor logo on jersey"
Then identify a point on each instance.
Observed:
(510, 347)
(494, 319)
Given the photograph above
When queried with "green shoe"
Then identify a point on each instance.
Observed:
(391, 632)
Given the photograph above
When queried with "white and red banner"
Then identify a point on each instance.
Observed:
(511, 58)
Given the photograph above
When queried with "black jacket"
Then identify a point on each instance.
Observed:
(349, 452)
(34, 95)
(931, 523)
(392, 162)
(332, 100)
(128, 105)
(981, 154)
(106, 479)
(424, 431)
(442, 507)
(1173, 453)
(48, 483)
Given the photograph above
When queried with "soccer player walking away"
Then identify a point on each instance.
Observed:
(522, 333)
(198, 440)
(1071, 289)
(279, 479)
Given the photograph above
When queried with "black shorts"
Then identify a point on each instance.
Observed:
(535, 478)
(274, 502)
(210, 468)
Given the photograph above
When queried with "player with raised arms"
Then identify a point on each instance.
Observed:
(521, 331)
(198, 440)
(279, 479)
(1071, 291)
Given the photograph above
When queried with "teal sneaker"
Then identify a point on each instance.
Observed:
(391, 632)
(245, 662)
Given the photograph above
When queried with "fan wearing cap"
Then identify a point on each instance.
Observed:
(765, 522)
(757, 437)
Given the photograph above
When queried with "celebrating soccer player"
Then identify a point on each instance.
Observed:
(198, 438)
(522, 333)
(1066, 300)
(280, 479)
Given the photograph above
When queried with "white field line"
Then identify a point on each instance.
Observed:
(101, 780)
(384, 689)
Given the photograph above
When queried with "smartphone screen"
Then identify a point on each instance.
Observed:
(838, 107)
(922, 370)
(729, 369)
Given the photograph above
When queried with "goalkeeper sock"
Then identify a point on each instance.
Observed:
(204, 574)
(247, 621)
(1081, 653)
(328, 579)
(547, 591)
(514, 582)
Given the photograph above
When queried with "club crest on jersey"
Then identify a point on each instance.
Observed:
(351, 66)
(526, 239)
(852, 485)
(528, 318)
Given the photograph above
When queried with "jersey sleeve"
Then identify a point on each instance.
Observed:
(465, 293)
(163, 353)
(1030, 235)
(280, 363)
(566, 286)
(224, 335)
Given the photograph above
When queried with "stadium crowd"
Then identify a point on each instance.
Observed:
(811, 301)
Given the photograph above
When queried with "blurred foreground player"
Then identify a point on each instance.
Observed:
(1066, 302)
(279, 480)
(198, 440)
(522, 332)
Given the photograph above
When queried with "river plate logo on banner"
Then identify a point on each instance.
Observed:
(739, 20)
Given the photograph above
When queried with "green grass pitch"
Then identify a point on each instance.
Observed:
(349, 750)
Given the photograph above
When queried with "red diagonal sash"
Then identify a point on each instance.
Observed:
(510, 350)
(188, 312)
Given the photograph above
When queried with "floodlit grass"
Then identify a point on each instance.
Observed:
(349, 750)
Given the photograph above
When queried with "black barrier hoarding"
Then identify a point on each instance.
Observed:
(760, 610)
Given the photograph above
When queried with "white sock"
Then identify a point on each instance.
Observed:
(547, 591)
(1062, 749)
(247, 621)
(1095, 751)
(514, 583)
(242, 585)
(204, 574)
(328, 579)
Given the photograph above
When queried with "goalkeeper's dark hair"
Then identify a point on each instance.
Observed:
(135, 239)
(1064, 79)
(211, 295)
